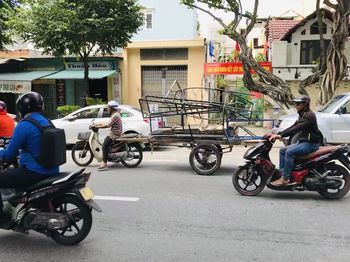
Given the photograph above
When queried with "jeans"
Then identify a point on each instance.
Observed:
(105, 148)
(289, 153)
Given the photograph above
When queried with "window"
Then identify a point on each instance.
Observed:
(303, 32)
(314, 30)
(345, 109)
(148, 24)
(89, 113)
(122, 112)
(164, 54)
(256, 42)
(310, 51)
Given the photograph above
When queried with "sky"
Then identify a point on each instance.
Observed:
(266, 8)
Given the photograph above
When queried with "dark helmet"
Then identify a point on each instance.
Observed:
(302, 99)
(3, 106)
(30, 102)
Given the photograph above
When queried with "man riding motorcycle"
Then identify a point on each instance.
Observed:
(310, 139)
(116, 127)
(25, 142)
(7, 124)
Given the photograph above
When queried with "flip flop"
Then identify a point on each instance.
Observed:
(105, 168)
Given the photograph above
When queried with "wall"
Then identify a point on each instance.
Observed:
(171, 20)
(131, 66)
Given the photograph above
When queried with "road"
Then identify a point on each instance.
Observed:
(168, 213)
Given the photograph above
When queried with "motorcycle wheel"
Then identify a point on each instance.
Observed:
(341, 172)
(248, 181)
(80, 220)
(205, 159)
(135, 156)
(82, 155)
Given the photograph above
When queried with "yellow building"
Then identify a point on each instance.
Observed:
(151, 67)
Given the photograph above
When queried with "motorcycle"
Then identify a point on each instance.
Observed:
(59, 207)
(317, 171)
(4, 141)
(89, 147)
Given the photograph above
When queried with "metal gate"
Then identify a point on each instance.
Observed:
(50, 103)
(157, 80)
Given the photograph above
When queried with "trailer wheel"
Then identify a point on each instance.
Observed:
(205, 159)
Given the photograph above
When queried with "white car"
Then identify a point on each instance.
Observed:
(333, 120)
(81, 119)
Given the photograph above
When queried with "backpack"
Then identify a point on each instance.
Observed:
(53, 144)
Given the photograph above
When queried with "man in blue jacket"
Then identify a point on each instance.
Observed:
(26, 144)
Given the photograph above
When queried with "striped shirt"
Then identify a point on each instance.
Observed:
(116, 125)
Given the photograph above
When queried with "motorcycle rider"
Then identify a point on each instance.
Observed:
(116, 127)
(309, 140)
(25, 142)
(7, 124)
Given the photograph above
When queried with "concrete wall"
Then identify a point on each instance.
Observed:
(171, 21)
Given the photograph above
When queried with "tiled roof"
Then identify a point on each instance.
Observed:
(277, 28)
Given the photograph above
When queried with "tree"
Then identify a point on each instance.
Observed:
(79, 27)
(268, 83)
(333, 63)
(5, 12)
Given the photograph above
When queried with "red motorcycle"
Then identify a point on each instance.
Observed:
(317, 171)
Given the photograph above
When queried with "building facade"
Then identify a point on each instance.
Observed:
(165, 49)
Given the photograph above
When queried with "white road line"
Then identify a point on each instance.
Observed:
(116, 198)
(161, 160)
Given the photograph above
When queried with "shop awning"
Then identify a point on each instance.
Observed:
(25, 76)
(79, 74)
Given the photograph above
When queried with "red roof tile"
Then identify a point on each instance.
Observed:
(278, 28)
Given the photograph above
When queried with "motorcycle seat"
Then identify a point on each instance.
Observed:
(321, 151)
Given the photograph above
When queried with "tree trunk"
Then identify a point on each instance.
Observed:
(336, 60)
(86, 74)
(267, 83)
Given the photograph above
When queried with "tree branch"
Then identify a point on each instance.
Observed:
(209, 13)
(253, 19)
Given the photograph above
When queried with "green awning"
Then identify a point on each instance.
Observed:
(25, 76)
(79, 74)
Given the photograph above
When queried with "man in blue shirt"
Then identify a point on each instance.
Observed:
(25, 143)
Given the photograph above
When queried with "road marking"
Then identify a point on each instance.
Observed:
(116, 198)
(161, 160)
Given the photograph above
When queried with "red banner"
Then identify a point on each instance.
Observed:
(234, 68)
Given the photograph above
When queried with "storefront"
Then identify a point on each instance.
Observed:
(104, 82)
(14, 84)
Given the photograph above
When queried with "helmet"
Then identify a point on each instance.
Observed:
(113, 104)
(30, 102)
(3, 106)
(302, 99)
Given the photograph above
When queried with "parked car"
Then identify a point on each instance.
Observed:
(81, 119)
(333, 120)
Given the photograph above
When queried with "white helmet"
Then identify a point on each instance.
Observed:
(113, 104)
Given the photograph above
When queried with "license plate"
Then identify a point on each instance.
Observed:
(86, 193)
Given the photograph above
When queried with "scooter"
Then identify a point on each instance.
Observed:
(317, 171)
(89, 147)
(58, 207)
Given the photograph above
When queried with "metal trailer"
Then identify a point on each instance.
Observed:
(182, 115)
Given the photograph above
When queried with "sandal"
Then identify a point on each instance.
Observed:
(280, 182)
(102, 168)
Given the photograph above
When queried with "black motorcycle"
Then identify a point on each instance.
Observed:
(318, 171)
(59, 207)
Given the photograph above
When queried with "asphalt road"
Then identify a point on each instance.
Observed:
(176, 215)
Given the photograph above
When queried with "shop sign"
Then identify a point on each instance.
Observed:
(16, 87)
(60, 92)
(234, 68)
(92, 66)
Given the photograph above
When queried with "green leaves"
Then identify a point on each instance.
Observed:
(79, 26)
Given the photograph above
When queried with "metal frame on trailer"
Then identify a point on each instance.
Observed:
(207, 146)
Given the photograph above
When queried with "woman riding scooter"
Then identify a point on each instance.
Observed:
(116, 127)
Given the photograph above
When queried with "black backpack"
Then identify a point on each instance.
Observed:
(53, 144)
